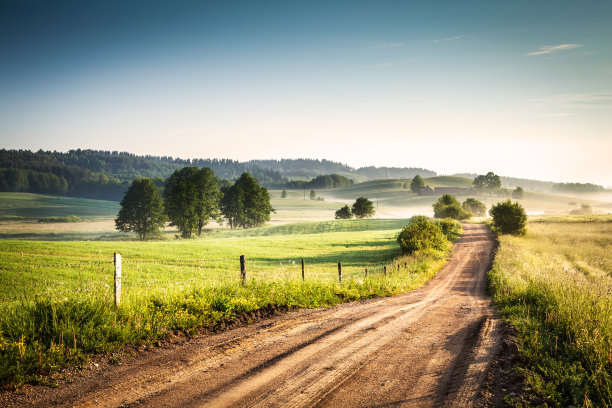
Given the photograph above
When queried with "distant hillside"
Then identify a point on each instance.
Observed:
(513, 182)
(309, 168)
(106, 175)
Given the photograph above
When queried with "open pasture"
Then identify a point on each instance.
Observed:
(56, 298)
(58, 269)
(555, 286)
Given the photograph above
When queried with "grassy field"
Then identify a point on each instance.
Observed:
(56, 297)
(555, 286)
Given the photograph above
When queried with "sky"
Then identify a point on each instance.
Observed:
(521, 88)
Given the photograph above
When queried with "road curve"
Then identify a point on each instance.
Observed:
(428, 348)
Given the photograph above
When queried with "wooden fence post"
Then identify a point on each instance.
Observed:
(398, 268)
(406, 265)
(243, 270)
(340, 272)
(117, 259)
(385, 269)
(366, 272)
(302, 269)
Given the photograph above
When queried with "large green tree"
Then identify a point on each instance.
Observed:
(363, 208)
(192, 199)
(417, 184)
(142, 210)
(246, 204)
(487, 183)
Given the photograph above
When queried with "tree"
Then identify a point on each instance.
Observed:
(313, 194)
(417, 184)
(192, 199)
(142, 210)
(477, 208)
(207, 197)
(518, 193)
(284, 193)
(246, 204)
(344, 213)
(363, 208)
(447, 206)
(422, 233)
(487, 183)
(509, 218)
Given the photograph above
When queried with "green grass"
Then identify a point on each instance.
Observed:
(448, 181)
(555, 287)
(32, 207)
(56, 297)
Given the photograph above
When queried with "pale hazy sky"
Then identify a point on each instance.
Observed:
(522, 88)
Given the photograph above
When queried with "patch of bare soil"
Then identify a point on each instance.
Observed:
(432, 347)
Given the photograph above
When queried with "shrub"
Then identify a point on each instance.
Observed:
(448, 207)
(585, 209)
(509, 218)
(477, 208)
(518, 193)
(422, 233)
(344, 213)
(450, 228)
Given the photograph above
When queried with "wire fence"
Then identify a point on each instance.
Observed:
(99, 276)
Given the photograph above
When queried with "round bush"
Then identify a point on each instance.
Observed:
(509, 218)
(422, 233)
(450, 228)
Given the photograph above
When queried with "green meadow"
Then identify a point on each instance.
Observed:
(555, 287)
(57, 297)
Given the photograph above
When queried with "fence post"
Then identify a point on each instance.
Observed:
(366, 272)
(302, 269)
(340, 272)
(117, 259)
(398, 268)
(385, 269)
(406, 265)
(243, 270)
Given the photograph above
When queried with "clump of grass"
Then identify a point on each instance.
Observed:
(555, 286)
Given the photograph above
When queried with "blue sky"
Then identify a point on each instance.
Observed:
(521, 88)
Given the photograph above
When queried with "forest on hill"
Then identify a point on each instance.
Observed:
(106, 174)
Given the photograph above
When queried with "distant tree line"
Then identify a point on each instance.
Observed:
(191, 198)
(577, 188)
(321, 182)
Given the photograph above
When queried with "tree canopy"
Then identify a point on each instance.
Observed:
(487, 183)
(192, 199)
(509, 218)
(246, 204)
(344, 213)
(417, 184)
(477, 208)
(363, 208)
(447, 206)
(142, 210)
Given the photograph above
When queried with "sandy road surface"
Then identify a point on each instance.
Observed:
(428, 348)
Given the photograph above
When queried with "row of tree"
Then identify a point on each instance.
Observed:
(362, 208)
(193, 197)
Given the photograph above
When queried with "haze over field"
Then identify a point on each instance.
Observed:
(523, 89)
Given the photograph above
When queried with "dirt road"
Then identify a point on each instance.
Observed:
(428, 348)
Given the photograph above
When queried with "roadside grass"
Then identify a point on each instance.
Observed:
(57, 308)
(555, 287)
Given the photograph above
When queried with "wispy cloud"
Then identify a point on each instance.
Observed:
(453, 38)
(391, 45)
(548, 49)
(555, 115)
(578, 101)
